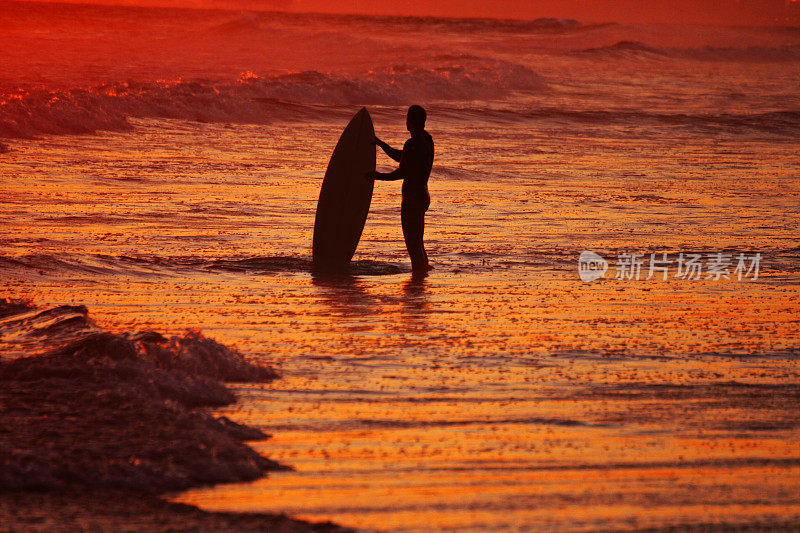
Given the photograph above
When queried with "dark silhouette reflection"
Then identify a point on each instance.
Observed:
(348, 295)
(344, 293)
(415, 296)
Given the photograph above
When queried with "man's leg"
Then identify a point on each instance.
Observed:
(413, 229)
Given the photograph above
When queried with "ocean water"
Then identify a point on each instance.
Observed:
(164, 167)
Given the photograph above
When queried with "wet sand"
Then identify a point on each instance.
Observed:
(93, 429)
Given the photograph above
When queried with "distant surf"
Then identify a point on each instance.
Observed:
(261, 68)
(254, 98)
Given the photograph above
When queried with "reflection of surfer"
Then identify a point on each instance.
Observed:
(416, 160)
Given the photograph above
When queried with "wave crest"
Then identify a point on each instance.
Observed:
(637, 49)
(252, 98)
(622, 49)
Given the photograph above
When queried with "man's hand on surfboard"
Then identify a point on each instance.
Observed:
(371, 175)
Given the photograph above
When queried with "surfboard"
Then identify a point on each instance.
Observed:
(345, 196)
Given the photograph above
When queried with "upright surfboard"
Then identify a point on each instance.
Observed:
(345, 196)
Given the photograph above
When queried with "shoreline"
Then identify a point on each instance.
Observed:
(101, 424)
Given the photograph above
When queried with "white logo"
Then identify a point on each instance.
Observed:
(591, 266)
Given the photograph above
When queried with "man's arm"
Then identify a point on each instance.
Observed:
(394, 153)
(409, 154)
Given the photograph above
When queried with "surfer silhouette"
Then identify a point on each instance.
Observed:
(416, 161)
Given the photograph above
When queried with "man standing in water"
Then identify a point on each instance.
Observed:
(416, 161)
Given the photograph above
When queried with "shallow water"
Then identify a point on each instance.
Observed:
(500, 392)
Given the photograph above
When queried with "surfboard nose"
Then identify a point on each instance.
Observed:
(361, 114)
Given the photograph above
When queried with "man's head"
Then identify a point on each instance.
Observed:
(415, 121)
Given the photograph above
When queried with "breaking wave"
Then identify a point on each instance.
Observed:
(637, 49)
(622, 49)
(253, 98)
(117, 410)
(67, 330)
